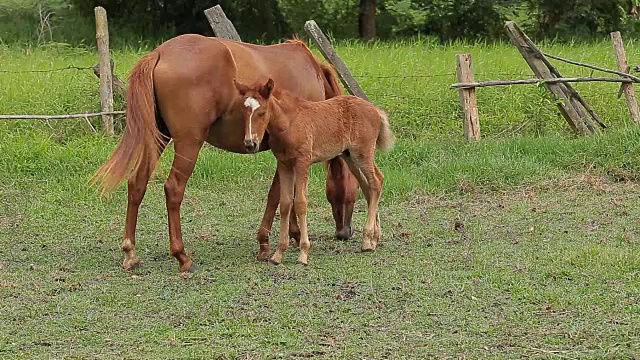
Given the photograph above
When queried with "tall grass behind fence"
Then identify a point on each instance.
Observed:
(52, 80)
(410, 79)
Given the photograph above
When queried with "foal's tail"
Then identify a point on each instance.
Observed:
(386, 139)
(138, 148)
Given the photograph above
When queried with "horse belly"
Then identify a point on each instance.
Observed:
(227, 134)
(326, 151)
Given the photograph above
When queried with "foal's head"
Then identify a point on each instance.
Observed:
(255, 106)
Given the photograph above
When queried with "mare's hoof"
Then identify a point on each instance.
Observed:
(132, 264)
(263, 256)
(303, 262)
(344, 234)
(189, 269)
(295, 236)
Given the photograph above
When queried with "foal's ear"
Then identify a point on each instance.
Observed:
(242, 89)
(267, 89)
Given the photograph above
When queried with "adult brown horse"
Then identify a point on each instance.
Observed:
(184, 91)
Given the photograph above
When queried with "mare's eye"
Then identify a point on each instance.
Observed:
(261, 114)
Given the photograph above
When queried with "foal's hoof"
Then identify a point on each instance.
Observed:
(276, 259)
(344, 234)
(367, 247)
(131, 264)
(303, 260)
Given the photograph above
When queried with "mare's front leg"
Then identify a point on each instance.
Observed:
(137, 186)
(184, 161)
(342, 192)
(273, 197)
(287, 185)
(300, 207)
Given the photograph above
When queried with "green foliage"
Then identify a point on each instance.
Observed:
(578, 17)
(338, 18)
(255, 20)
(136, 21)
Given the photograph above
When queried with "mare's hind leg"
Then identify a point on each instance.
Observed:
(273, 198)
(137, 186)
(184, 161)
(342, 191)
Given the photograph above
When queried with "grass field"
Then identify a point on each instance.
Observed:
(522, 245)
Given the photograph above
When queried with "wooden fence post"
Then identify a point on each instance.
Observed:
(330, 54)
(118, 86)
(106, 92)
(623, 66)
(468, 98)
(533, 56)
(222, 27)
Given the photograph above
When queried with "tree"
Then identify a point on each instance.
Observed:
(367, 19)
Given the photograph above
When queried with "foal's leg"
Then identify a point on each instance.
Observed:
(369, 177)
(300, 206)
(287, 185)
(377, 234)
(137, 186)
(355, 168)
(186, 154)
(369, 170)
(273, 198)
(342, 191)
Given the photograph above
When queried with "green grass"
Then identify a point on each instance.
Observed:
(521, 245)
(410, 79)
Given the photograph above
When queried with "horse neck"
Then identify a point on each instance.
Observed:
(283, 110)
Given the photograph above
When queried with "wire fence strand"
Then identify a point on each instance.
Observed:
(69, 67)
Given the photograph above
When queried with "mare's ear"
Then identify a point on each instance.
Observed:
(242, 89)
(267, 89)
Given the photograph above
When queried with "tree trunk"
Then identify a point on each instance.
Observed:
(367, 19)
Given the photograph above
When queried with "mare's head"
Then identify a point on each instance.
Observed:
(255, 108)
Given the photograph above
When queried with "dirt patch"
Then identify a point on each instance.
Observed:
(347, 291)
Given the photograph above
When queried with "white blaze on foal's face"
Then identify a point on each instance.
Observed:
(253, 104)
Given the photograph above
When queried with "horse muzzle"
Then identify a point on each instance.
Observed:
(251, 145)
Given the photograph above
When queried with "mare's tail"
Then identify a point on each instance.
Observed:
(138, 148)
(386, 139)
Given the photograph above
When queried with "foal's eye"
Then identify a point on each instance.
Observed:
(261, 114)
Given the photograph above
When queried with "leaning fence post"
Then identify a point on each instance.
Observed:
(468, 98)
(222, 27)
(106, 92)
(533, 56)
(331, 55)
(623, 66)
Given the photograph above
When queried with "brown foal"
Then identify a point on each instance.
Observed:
(303, 132)
(183, 91)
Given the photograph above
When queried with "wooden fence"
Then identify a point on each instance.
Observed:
(576, 111)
